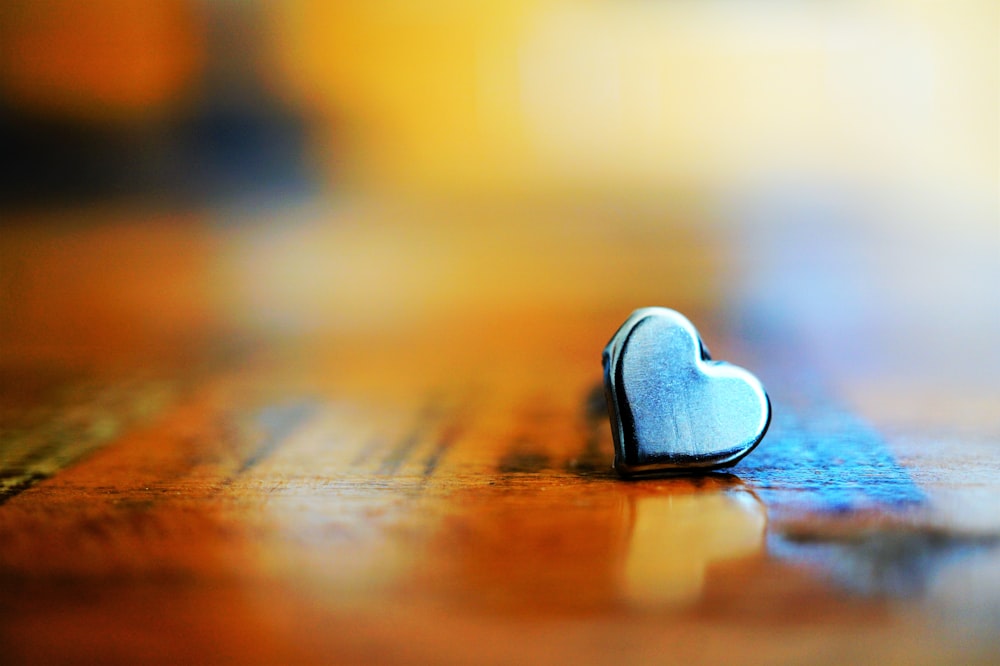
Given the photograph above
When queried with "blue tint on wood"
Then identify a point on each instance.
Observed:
(827, 460)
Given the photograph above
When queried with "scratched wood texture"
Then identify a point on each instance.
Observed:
(267, 442)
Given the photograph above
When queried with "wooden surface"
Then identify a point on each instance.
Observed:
(333, 436)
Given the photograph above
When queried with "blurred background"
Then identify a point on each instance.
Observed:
(536, 98)
(825, 175)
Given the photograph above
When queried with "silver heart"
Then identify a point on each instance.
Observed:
(674, 410)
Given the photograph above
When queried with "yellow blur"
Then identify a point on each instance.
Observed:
(530, 96)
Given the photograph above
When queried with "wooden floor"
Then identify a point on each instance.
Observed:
(335, 435)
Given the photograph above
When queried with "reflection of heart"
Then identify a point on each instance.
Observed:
(677, 536)
(673, 410)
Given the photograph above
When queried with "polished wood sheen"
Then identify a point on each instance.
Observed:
(342, 436)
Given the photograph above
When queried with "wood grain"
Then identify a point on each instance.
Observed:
(184, 481)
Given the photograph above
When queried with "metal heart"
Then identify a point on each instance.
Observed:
(673, 410)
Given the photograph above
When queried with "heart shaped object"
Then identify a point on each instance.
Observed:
(673, 410)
